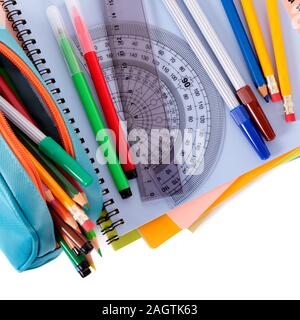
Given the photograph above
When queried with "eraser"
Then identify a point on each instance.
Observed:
(276, 97)
(89, 225)
(290, 117)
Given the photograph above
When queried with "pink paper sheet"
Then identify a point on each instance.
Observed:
(186, 215)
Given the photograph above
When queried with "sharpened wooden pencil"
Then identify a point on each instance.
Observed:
(261, 49)
(281, 60)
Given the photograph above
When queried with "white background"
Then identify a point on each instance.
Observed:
(249, 248)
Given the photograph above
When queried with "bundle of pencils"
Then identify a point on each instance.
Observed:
(259, 62)
(67, 202)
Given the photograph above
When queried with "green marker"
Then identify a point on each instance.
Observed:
(46, 144)
(89, 103)
(70, 189)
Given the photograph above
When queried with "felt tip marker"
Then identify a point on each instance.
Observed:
(237, 111)
(89, 103)
(101, 86)
(46, 144)
(243, 90)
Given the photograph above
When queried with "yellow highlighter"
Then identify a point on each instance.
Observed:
(261, 49)
(281, 61)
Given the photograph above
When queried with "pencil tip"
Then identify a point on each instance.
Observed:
(267, 98)
(100, 253)
(263, 90)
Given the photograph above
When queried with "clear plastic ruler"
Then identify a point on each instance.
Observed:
(157, 83)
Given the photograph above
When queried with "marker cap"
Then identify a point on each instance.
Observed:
(256, 112)
(80, 26)
(57, 22)
(244, 122)
(55, 152)
(84, 273)
(64, 40)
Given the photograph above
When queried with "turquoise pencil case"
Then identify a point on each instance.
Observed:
(27, 236)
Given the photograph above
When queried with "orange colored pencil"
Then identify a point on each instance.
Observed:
(78, 214)
(61, 210)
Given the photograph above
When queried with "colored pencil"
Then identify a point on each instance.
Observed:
(71, 245)
(237, 111)
(9, 92)
(261, 49)
(62, 180)
(92, 236)
(8, 81)
(79, 262)
(81, 242)
(243, 90)
(46, 144)
(91, 262)
(61, 210)
(67, 218)
(93, 113)
(246, 47)
(77, 252)
(101, 86)
(281, 60)
(78, 214)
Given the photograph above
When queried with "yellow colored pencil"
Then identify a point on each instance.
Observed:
(261, 49)
(77, 213)
(281, 60)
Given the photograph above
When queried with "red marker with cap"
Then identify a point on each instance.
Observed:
(101, 86)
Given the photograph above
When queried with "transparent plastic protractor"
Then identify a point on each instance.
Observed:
(191, 102)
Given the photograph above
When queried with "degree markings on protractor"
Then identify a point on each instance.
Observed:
(190, 100)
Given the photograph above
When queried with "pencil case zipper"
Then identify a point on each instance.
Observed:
(44, 94)
(7, 132)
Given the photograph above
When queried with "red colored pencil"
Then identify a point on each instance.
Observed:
(101, 86)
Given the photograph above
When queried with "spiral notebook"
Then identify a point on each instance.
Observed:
(28, 18)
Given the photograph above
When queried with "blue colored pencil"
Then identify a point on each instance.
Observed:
(246, 48)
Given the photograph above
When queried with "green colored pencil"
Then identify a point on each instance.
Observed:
(79, 262)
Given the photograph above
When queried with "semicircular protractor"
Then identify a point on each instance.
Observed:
(157, 82)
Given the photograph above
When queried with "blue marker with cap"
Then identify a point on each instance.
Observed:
(237, 111)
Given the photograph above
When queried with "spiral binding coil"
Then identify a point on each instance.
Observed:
(28, 43)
